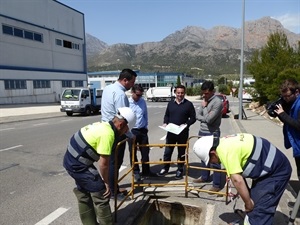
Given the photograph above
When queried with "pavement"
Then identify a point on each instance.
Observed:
(256, 123)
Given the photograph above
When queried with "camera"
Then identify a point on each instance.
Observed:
(272, 106)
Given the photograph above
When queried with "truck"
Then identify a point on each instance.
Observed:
(156, 94)
(81, 100)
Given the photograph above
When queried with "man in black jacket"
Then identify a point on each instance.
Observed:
(180, 112)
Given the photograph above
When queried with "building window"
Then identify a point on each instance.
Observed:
(67, 44)
(41, 84)
(18, 32)
(58, 42)
(7, 30)
(15, 84)
(78, 83)
(66, 83)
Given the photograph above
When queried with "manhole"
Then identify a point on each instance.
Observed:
(167, 213)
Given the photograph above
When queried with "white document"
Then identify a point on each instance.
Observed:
(173, 128)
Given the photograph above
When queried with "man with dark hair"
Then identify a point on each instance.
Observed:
(140, 130)
(289, 113)
(114, 97)
(248, 156)
(180, 112)
(210, 116)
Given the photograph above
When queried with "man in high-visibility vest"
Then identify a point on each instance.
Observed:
(93, 143)
(248, 156)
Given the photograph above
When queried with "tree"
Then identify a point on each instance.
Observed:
(268, 64)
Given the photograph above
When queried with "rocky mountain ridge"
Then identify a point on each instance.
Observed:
(215, 51)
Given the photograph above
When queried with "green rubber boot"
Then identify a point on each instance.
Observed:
(86, 208)
(102, 208)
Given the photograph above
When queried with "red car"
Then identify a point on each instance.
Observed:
(225, 104)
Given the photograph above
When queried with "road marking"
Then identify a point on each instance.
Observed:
(40, 124)
(52, 216)
(122, 168)
(210, 209)
(11, 128)
(10, 148)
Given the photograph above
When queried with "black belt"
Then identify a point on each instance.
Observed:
(140, 129)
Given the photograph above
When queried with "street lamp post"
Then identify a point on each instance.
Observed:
(242, 65)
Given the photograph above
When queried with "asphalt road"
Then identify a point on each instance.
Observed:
(35, 188)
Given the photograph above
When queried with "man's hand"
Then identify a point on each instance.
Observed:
(279, 109)
(249, 206)
(107, 192)
(164, 125)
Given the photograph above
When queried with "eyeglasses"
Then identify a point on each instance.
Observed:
(140, 95)
(287, 96)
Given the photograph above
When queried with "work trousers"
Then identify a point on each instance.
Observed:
(141, 135)
(175, 139)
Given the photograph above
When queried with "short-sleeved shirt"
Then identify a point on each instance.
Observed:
(234, 151)
(100, 136)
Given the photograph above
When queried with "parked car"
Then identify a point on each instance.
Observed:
(225, 104)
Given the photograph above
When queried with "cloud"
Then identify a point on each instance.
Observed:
(290, 22)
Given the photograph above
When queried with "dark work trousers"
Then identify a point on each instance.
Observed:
(176, 139)
(297, 161)
(267, 191)
(120, 155)
(219, 179)
(141, 135)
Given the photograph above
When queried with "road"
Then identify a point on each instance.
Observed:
(35, 188)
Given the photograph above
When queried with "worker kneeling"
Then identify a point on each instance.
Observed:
(94, 143)
(248, 156)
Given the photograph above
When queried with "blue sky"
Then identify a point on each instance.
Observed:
(138, 21)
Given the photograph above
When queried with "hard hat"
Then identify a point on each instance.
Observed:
(202, 147)
(129, 115)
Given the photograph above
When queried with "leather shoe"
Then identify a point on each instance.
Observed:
(214, 189)
(199, 181)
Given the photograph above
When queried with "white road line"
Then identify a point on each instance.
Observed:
(11, 128)
(52, 216)
(40, 124)
(210, 210)
(10, 148)
(122, 168)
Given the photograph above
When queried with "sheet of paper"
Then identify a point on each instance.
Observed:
(173, 128)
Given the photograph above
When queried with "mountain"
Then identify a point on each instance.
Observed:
(216, 51)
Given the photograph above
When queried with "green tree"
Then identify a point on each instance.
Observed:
(268, 64)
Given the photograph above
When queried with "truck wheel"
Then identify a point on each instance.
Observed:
(69, 113)
(88, 111)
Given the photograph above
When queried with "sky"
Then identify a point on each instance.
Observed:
(139, 21)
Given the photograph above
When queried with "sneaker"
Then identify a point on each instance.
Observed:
(120, 197)
(178, 175)
(162, 173)
(137, 177)
(200, 180)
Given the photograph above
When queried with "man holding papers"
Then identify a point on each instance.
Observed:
(180, 112)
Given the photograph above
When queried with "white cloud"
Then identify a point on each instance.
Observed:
(290, 22)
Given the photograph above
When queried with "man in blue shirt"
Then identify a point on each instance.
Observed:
(114, 97)
(140, 130)
(180, 112)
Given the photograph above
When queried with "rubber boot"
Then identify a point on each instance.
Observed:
(86, 208)
(102, 208)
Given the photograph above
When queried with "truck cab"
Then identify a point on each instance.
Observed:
(81, 100)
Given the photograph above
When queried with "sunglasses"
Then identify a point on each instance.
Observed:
(140, 95)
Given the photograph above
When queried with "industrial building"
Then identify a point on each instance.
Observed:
(42, 45)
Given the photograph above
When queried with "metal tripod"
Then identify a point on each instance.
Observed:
(295, 210)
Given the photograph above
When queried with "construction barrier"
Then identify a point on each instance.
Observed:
(188, 188)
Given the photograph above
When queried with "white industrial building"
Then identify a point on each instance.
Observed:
(42, 46)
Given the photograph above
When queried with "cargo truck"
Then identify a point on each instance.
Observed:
(81, 100)
(156, 94)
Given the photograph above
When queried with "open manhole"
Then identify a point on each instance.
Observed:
(167, 213)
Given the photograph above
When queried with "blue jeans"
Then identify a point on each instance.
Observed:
(120, 157)
(219, 178)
